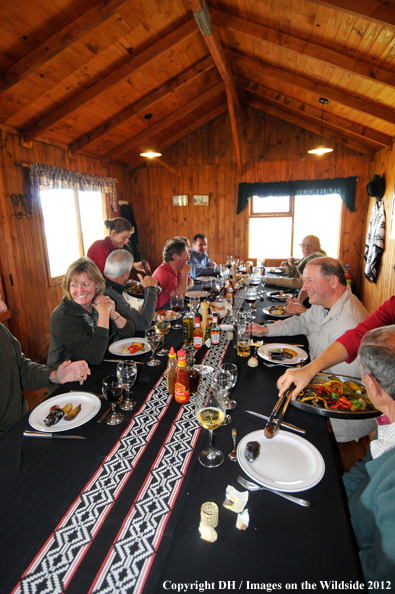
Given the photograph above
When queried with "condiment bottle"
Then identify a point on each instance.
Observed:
(182, 391)
(171, 371)
(207, 337)
(215, 332)
(197, 335)
(187, 323)
(229, 294)
(194, 375)
(349, 276)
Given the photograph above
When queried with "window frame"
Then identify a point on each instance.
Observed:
(57, 280)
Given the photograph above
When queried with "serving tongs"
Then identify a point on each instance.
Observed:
(278, 413)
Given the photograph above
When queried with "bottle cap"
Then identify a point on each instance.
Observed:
(172, 352)
(181, 353)
(197, 319)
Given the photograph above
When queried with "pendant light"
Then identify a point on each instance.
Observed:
(150, 154)
(321, 149)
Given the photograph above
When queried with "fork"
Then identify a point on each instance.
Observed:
(253, 487)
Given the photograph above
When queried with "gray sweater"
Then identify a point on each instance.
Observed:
(141, 319)
(17, 373)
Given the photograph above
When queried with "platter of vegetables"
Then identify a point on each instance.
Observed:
(336, 396)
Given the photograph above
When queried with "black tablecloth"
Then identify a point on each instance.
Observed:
(140, 485)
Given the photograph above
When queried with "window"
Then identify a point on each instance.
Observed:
(72, 222)
(277, 224)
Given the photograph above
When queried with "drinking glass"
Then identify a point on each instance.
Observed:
(127, 373)
(195, 303)
(232, 369)
(163, 327)
(154, 340)
(207, 284)
(251, 297)
(112, 391)
(210, 412)
(222, 382)
(176, 304)
(243, 339)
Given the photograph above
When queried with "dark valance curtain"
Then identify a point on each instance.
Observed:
(340, 185)
(62, 179)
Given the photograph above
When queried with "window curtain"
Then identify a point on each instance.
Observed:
(62, 179)
(339, 185)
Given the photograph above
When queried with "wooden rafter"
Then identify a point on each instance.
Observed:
(142, 105)
(60, 41)
(212, 38)
(147, 56)
(305, 109)
(167, 121)
(257, 69)
(372, 10)
(346, 63)
(288, 116)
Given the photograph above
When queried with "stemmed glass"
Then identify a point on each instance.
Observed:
(210, 412)
(251, 297)
(112, 391)
(195, 303)
(176, 304)
(232, 369)
(154, 340)
(127, 373)
(163, 327)
(222, 382)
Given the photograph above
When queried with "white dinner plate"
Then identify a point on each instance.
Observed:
(168, 315)
(90, 406)
(194, 294)
(277, 297)
(204, 369)
(204, 278)
(265, 349)
(116, 347)
(287, 462)
(269, 313)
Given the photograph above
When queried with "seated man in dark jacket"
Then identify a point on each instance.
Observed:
(116, 272)
(20, 373)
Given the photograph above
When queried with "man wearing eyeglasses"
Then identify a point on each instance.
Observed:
(311, 248)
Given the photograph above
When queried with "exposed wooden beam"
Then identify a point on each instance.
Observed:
(167, 121)
(60, 41)
(347, 63)
(142, 105)
(147, 56)
(288, 116)
(371, 10)
(257, 69)
(235, 132)
(188, 130)
(315, 112)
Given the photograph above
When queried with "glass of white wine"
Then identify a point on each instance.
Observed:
(163, 327)
(210, 412)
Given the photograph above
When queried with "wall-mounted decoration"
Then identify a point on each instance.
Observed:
(180, 200)
(201, 200)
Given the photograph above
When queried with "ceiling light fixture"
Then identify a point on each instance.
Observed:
(321, 149)
(150, 154)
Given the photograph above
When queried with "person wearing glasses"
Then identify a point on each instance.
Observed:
(311, 248)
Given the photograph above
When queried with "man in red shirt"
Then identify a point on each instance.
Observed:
(173, 273)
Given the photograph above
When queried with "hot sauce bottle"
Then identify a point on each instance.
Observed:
(171, 372)
(197, 335)
(182, 392)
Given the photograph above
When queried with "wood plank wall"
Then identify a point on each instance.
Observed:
(374, 294)
(205, 163)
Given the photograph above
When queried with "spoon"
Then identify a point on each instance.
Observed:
(233, 456)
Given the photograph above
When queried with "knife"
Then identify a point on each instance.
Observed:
(293, 427)
(103, 416)
(121, 361)
(51, 435)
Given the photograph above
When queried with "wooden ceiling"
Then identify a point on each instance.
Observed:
(83, 73)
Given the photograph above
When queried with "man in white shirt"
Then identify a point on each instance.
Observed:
(333, 311)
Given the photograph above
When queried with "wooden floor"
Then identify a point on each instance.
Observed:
(346, 454)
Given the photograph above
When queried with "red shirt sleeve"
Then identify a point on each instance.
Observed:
(168, 281)
(383, 316)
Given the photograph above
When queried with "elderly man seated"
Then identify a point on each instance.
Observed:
(173, 273)
(116, 272)
(199, 260)
(370, 484)
(20, 373)
(334, 310)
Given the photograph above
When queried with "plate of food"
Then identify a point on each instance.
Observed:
(130, 347)
(167, 314)
(286, 463)
(276, 352)
(64, 412)
(195, 294)
(336, 396)
(280, 295)
(201, 279)
(135, 289)
(276, 271)
(277, 311)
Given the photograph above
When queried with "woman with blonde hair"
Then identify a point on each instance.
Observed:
(119, 231)
(81, 325)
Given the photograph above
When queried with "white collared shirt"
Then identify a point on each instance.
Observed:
(385, 440)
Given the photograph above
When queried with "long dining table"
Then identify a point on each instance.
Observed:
(119, 511)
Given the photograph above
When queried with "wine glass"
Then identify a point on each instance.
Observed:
(222, 382)
(195, 303)
(112, 391)
(163, 327)
(210, 412)
(127, 373)
(154, 340)
(232, 369)
(176, 304)
(251, 297)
